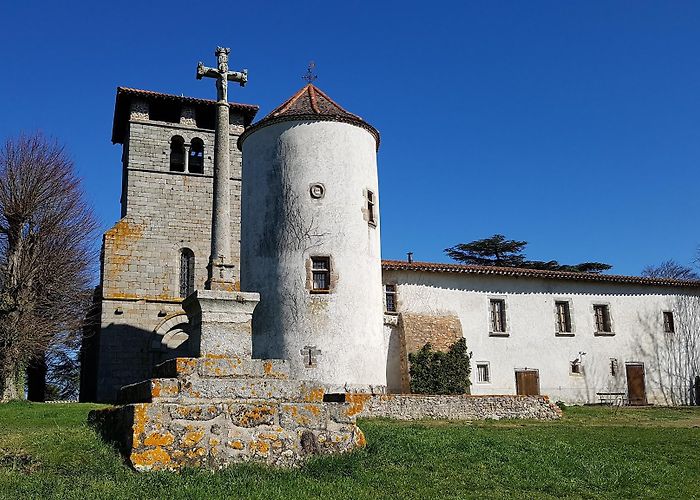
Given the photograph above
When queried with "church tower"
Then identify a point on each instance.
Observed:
(310, 241)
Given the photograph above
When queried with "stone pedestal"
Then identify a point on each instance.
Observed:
(220, 322)
(225, 407)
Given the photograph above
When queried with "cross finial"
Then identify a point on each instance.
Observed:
(222, 74)
(310, 76)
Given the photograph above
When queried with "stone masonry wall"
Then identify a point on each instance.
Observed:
(412, 332)
(164, 212)
(440, 331)
(416, 407)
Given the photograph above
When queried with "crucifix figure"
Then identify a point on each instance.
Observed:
(221, 273)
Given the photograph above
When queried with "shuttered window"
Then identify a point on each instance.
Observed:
(563, 317)
(602, 318)
(498, 315)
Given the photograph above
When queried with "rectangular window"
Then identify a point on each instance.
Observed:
(498, 315)
(669, 327)
(321, 274)
(390, 298)
(563, 317)
(576, 368)
(483, 375)
(370, 207)
(602, 318)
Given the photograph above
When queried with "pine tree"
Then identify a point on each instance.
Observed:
(493, 251)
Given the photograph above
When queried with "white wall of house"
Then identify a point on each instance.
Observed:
(532, 341)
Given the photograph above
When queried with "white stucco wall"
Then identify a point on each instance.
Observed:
(283, 225)
(532, 342)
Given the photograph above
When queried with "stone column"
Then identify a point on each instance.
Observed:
(221, 273)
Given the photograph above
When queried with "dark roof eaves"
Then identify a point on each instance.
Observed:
(535, 273)
(118, 128)
(266, 122)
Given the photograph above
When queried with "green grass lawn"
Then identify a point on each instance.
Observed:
(47, 451)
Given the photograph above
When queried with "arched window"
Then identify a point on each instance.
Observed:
(196, 163)
(186, 272)
(177, 154)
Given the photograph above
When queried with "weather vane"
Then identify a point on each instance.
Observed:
(310, 75)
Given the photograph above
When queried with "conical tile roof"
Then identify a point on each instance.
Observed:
(312, 104)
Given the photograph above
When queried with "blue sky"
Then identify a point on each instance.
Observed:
(572, 125)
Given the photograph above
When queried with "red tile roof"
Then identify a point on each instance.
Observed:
(310, 103)
(435, 267)
(125, 94)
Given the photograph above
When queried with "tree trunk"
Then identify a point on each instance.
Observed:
(12, 387)
(36, 380)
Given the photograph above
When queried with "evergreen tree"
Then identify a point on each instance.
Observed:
(493, 251)
(499, 252)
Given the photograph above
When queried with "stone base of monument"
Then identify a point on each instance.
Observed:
(225, 407)
(216, 411)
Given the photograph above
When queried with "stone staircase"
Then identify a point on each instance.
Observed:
(223, 408)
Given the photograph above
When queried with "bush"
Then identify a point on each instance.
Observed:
(437, 372)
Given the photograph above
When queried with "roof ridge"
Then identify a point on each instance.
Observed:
(544, 273)
(312, 98)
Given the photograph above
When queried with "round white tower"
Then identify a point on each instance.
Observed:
(310, 241)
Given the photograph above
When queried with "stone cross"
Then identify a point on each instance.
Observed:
(309, 353)
(221, 274)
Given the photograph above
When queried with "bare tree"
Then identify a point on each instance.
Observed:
(46, 248)
(670, 269)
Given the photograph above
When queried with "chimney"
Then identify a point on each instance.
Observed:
(410, 257)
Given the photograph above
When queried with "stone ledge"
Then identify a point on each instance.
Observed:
(223, 367)
(466, 407)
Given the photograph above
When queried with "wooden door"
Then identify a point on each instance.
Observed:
(636, 391)
(527, 382)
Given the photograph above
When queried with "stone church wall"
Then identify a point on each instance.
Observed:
(163, 212)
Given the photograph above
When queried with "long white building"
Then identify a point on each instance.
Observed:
(577, 337)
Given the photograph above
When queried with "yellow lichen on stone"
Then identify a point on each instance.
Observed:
(196, 453)
(192, 437)
(140, 420)
(313, 409)
(299, 418)
(158, 439)
(149, 458)
(357, 403)
(236, 445)
(360, 440)
(314, 395)
(259, 446)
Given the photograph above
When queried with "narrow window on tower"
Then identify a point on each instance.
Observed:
(563, 316)
(186, 272)
(320, 274)
(196, 159)
(390, 298)
(371, 215)
(498, 315)
(177, 154)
